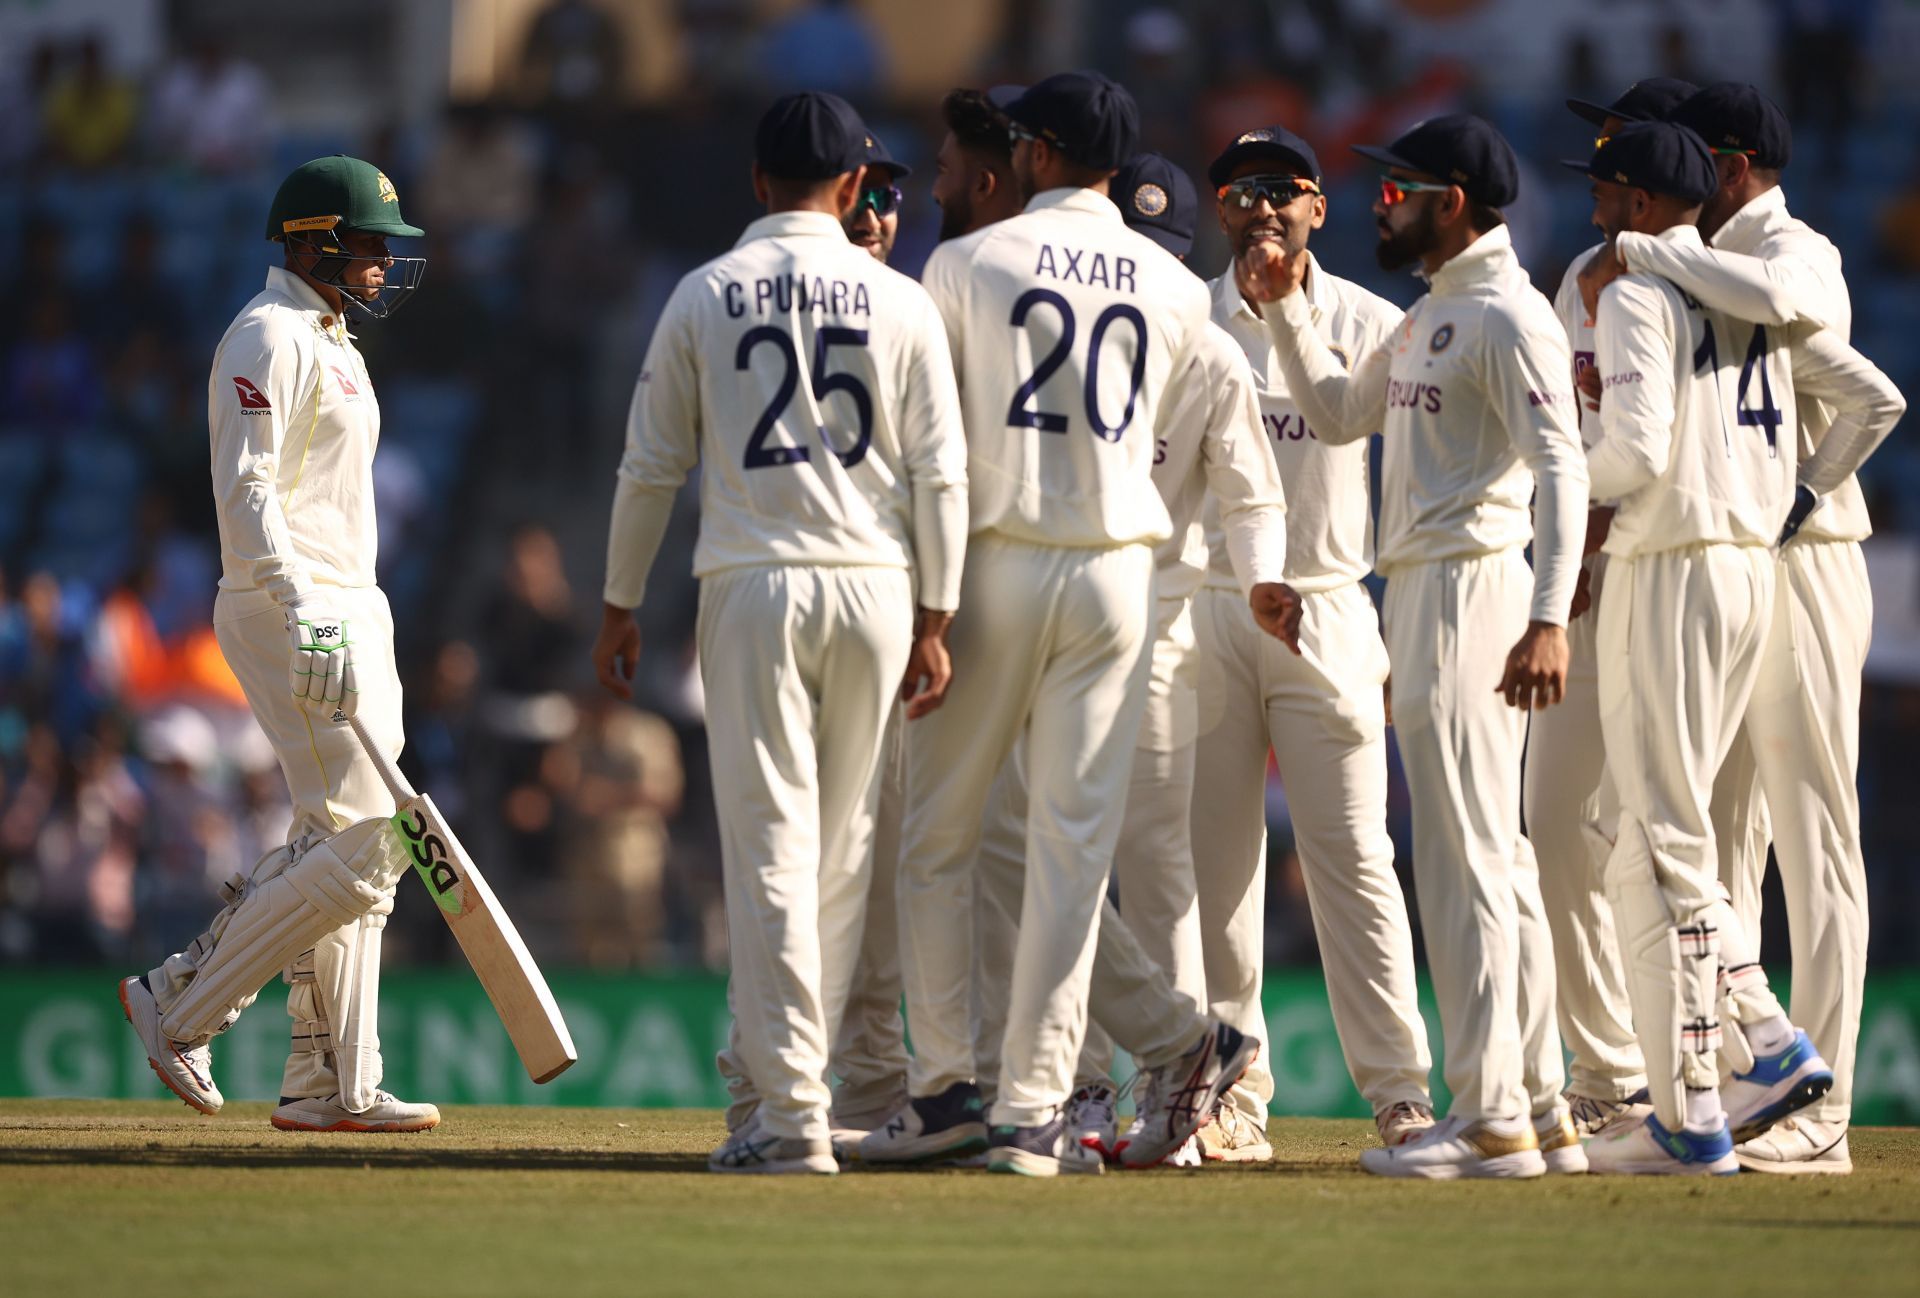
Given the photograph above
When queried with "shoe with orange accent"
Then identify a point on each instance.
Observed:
(186, 1070)
(1455, 1149)
(383, 1115)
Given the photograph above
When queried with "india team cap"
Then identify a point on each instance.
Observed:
(337, 193)
(879, 159)
(1157, 199)
(1460, 149)
(1659, 157)
(1003, 97)
(810, 136)
(1737, 118)
(1275, 144)
(1651, 99)
(1088, 117)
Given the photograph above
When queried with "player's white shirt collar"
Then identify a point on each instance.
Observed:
(1478, 262)
(304, 297)
(1747, 228)
(1074, 199)
(788, 225)
(1226, 293)
(1682, 235)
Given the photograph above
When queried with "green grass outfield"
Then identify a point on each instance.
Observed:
(101, 1198)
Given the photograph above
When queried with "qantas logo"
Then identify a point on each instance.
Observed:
(346, 384)
(252, 400)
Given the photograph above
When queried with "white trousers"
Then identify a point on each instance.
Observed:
(870, 1054)
(800, 666)
(1321, 713)
(1566, 759)
(1053, 644)
(1680, 640)
(332, 784)
(1791, 777)
(1449, 628)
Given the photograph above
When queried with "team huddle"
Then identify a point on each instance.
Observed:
(1011, 580)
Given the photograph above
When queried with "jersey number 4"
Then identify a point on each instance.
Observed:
(1706, 358)
(762, 456)
(1020, 413)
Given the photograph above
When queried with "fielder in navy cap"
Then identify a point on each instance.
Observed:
(1750, 141)
(1087, 122)
(1650, 99)
(1277, 149)
(973, 178)
(810, 136)
(874, 222)
(1157, 199)
(1447, 179)
(1664, 159)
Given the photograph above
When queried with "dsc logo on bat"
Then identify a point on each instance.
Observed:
(433, 861)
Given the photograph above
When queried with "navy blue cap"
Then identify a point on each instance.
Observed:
(1730, 115)
(1460, 149)
(880, 160)
(1651, 99)
(810, 136)
(1002, 97)
(1157, 199)
(1274, 144)
(1659, 157)
(1088, 117)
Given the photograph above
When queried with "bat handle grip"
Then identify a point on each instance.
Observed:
(389, 773)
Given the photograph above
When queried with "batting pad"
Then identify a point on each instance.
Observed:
(331, 886)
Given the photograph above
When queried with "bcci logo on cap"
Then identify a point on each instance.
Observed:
(387, 194)
(1260, 136)
(1150, 200)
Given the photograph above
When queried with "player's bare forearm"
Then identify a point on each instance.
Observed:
(929, 666)
(616, 650)
(1536, 672)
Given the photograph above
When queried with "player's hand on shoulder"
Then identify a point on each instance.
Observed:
(616, 651)
(929, 672)
(1536, 674)
(1601, 269)
(320, 671)
(1267, 272)
(1277, 608)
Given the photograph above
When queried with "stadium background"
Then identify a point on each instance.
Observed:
(570, 159)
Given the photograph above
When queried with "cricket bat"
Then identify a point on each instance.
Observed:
(513, 982)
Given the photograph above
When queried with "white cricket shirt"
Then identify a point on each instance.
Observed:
(812, 385)
(1066, 329)
(1473, 397)
(1329, 494)
(292, 426)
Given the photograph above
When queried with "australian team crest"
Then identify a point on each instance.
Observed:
(387, 194)
(1441, 338)
(1150, 200)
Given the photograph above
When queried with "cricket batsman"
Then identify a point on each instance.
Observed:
(294, 425)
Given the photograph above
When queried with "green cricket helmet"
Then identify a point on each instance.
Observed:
(329, 196)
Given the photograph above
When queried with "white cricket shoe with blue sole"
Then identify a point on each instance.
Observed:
(1780, 1085)
(1645, 1148)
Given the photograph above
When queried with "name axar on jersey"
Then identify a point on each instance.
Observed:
(814, 387)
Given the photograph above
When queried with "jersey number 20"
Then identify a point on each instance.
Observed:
(1020, 413)
(760, 455)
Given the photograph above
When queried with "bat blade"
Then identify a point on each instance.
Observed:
(499, 957)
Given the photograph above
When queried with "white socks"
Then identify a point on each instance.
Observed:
(1703, 1111)
(1769, 1036)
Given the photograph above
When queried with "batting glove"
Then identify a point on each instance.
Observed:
(321, 670)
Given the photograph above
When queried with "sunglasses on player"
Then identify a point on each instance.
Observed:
(882, 201)
(1277, 191)
(1394, 192)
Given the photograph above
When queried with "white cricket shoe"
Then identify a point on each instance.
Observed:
(1454, 1148)
(1559, 1143)
(1798, 1147)
(1642, 1147)
(1093, 1117)
(1046, 1150)
(385, 1114)
(1175, 1100)
(1399, 1123)
(931, 1129)
(753, 1151)
(186, 1070)
(1779, 1085)
(1188, 1155)
(1592, 1115)
(849, 1129)
(1230, 1136)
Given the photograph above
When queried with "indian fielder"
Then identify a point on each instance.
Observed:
(1693, 449)
(1066, 329)
(1473, 397)
(1321, 711)
(1565, 752)
(814, 388)
(1802, 728)
(294, 425)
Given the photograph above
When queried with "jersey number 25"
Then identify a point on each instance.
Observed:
(762, 456)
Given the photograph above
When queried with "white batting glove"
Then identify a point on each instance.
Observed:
(321, 670)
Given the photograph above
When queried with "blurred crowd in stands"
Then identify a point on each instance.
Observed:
(559, 214)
